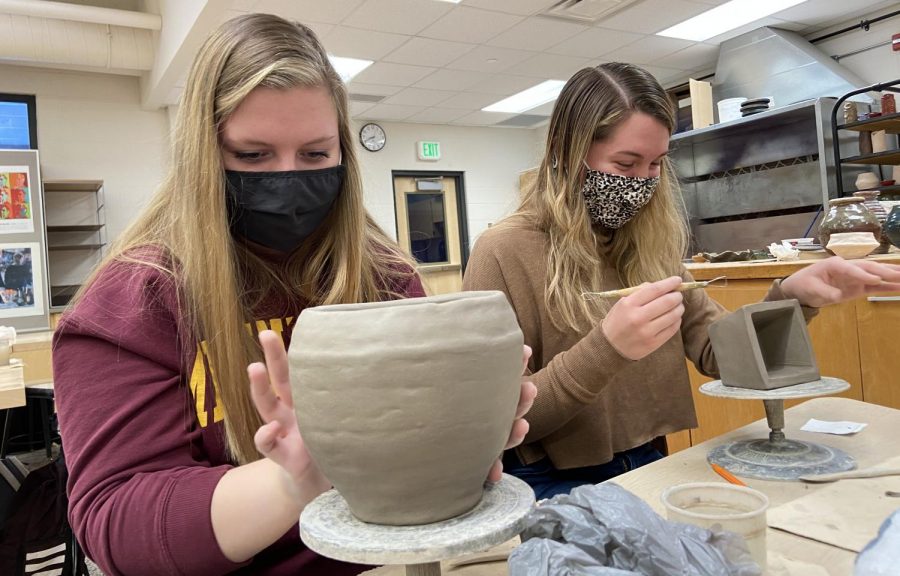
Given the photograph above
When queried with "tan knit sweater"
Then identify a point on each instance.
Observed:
(592, 402)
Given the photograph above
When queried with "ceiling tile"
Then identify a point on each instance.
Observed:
(647, 49)
(521, 7)
(470, 25)
(822, 11)
(482, 118)
(419, 97)
(594, 42)
(470, 101)
(445, 79)
(490, 59)
(398, 16)
(244, 5)
(366, 44)
(393, 74)
(437, 115)
(651, 16)
(550, 66)
(391, 112)
(357, 108)
(428, 52)
(536, 34)
(506, 84)
(331, 12)
(691, 58)
(355, 87)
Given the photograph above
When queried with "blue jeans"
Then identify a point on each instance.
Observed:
(548, 481)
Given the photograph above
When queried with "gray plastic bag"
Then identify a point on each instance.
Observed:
(605, 530)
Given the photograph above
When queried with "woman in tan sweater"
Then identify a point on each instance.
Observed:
(603, 213)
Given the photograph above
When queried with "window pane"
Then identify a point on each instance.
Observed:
(427, 233)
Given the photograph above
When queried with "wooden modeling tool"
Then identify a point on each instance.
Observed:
(631, 290)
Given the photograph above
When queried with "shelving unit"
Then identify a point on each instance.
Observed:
(76, 234)
(889, 123)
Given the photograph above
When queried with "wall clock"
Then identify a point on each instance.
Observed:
(372, 137)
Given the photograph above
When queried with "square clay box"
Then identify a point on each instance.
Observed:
(764, 346)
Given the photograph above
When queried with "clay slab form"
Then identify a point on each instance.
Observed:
(764, 346)
(405, 405)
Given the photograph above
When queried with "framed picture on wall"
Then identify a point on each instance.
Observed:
(21, 281)
(15, 200)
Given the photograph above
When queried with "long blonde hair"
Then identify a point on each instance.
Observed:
(349, 258)
(592, 104)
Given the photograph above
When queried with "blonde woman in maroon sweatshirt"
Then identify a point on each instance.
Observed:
(605, 212)
(260, 215)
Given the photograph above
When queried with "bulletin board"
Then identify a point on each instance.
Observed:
(24, 293)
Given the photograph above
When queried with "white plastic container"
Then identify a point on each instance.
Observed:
(720, 506)
(729, 109)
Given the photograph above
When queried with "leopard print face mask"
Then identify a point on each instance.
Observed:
(613, 200)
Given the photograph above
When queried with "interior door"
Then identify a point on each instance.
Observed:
(428, 229)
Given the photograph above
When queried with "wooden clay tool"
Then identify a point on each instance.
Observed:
(631, 290)
(867, 473)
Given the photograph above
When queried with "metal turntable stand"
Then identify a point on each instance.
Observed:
(779, 458)
(328, 527)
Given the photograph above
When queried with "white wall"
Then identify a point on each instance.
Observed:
(876, 65)
(91, 126)
(491, 159)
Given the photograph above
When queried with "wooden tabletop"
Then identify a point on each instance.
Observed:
(750, 269)
(876, 443)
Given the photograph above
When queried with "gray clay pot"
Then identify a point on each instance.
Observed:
(405, 405)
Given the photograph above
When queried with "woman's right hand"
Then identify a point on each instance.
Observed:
(279, 438)
(640, 323)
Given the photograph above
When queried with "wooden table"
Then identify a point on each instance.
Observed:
(871, 446)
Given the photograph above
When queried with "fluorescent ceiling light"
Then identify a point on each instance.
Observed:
(533, 97)
(347, 68)
(726, 17)
(451, 1)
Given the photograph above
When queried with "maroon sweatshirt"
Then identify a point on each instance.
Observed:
(144, 438)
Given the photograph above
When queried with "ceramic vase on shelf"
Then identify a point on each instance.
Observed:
(891, 227)
(867, 181)
(405, 405)
(847, 215)
(874, 206)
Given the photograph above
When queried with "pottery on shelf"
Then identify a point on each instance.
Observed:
(891, 227)
(874, 206)
(847, 215)
(764, 346)
(867, 181)
(850, 245)
(405, 405)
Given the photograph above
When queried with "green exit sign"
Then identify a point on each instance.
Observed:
(428, 150)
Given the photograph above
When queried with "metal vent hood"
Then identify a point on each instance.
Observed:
(769, 62)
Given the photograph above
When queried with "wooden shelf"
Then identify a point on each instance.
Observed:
(889, 158)
(72, 185)
(76, 247)
(75, 228)
(890, 123)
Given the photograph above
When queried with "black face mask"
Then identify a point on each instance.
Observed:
(280, 210)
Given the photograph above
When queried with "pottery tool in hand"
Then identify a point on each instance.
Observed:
(731, 478)
(685, 286)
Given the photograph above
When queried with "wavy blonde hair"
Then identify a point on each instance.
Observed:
(348, 259)
(592, 104)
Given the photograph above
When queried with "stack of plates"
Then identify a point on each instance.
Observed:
(755, 106)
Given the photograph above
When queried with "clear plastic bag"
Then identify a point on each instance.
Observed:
(881, 556)
(605, 530)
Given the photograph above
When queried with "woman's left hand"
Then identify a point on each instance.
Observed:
(520, 425)
(836, 280)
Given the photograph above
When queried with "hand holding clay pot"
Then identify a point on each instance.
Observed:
(640, 323)
(836, 280)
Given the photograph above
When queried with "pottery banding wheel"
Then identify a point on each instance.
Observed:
(328, 528)
(778, 458)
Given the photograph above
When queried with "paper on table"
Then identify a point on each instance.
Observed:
(843, 427)
(846, 514)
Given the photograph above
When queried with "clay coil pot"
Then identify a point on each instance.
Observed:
(405, 405)
(847, 215)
